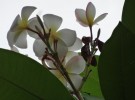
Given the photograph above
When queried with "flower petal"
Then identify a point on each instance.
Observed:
(10, 38)
(69, 55)
(15, 25)
(50, 64)
(90, 13)
(39, 47)
(26, 12)
(52, 22)
(99, 18)
(75, 65)
(63, 80)
(21, 40)
(76, 79)
(31, 24)
(61, 49)
(59, 76)
(68, 36)
(81, 17)
(76, 46)
(56, 73)
(13, 48)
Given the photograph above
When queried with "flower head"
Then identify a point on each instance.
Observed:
(53, 22)
(17, 33)
(74, 65)
(87, 18)
(64, 37)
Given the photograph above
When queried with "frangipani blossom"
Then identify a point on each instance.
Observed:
(39, 48)
(32, 23)
(53, 22)
(76, 46)
(74, 65)
(17, 33)
(87, 18)
(65, 37)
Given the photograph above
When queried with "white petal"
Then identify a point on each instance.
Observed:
(50, 64)
(21, 40)
(31, 24)
(90, 13)
(52, 22)
(69, 55)
(81, 17)
(10, 38)
(14, 49)
(27, 11)
(63, 80)
(59, 76)
(15, 25)
(56, 73)
(76, 46)
(75, 65)
(39, 47)
(99, 18)
(68, 36)
(61, 49)
(76, 79)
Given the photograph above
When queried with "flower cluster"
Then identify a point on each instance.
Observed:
(56, 47)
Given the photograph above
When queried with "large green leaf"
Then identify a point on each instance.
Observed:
(117, 65)
(128, 16)
(22, 78)
(92, 85)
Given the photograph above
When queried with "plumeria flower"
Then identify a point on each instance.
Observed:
(65, 37)
(39, 48)
(87, 18)
(32, 23)
(74, 65)
(17, 33)
(53, 22)
(76, 46)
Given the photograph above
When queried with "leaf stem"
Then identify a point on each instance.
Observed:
(92, 52)
(91, 35)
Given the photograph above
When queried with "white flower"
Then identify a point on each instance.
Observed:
(32, 23)
(53, 22)
(17, 33)
(39, 48)
(74, 65)
(65, 37)
(76, 46)
(87, 18)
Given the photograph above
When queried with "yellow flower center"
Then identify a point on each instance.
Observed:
(53, 36)
(23, 24)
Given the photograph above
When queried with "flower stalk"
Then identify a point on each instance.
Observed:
(58, 64)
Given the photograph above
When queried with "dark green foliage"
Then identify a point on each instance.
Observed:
(22, 78)
(117, 65)
(117, 61)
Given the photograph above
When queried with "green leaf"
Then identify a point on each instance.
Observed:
(128, 16)
(92, 85)
(22, 78)
(117, 65)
